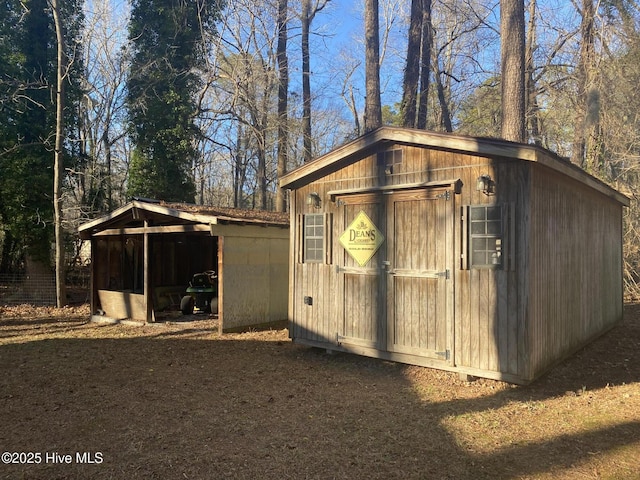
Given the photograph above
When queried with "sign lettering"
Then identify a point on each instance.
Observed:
(361, 239)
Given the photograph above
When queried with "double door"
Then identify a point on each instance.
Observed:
(400, 300)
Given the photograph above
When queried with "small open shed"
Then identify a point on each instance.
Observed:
(485, 257)
(144, 254)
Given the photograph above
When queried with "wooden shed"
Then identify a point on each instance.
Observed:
(485, 257)
(144, 254)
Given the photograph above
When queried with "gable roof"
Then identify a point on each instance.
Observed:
(176, 217)
(484, 147)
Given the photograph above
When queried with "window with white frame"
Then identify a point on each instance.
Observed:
(485, 236)
(313, 238)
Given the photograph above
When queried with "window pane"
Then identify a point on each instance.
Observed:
(479, 244)
(485, 232)
(479, 251)
(494, 227)
(313, 242)
(479, 258)
(477, 213)
(478, 228)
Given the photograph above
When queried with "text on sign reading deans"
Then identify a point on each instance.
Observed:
(361, 239)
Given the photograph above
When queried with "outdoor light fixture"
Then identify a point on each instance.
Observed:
(313, 199)
(485, 185)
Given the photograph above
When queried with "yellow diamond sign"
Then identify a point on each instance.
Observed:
(361, 239)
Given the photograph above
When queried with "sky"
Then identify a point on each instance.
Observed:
(337, 50)
(337, 46)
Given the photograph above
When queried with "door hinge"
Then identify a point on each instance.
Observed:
(446, 354)
(446, 195)
(446, 274)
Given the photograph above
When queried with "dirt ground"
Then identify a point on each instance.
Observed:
(175, 400)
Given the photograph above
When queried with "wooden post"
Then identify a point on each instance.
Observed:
(93, 281)
(148, 303)
(220, 285)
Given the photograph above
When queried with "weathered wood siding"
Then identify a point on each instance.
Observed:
(559, 285)
(490, 330)
(320, 282)
(575, 267)
(358, 291)
(486, 334)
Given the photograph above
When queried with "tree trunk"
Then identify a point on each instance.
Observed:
(425, 64)
(351, 103)
(532, 108)
(262, 179)
(283, 90)
(306, 82)
(411, 79)
(445, 113)
(373, 107)
(588, 98)
(512, 66)
(58, 163)
(238, 169)
(106, 142)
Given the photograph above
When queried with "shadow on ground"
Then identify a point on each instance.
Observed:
(179, 401)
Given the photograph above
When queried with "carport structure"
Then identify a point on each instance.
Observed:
(144, 254)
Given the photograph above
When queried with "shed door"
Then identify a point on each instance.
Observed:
(419, 255)
(401, 300)
(359, 287)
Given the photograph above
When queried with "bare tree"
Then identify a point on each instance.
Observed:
(243, 94)
(283, 94)
(373, 106)
(532, 108)
(588, 95)
(102, 115)
(415, 86)
(408, 107)
(462, 31)
(58, 165)
(512, 37)
(348, 70)
(390, 59)
(443, 101)
(309, 12)
(425, 64)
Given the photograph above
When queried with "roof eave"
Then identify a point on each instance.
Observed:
(138, 209)
(487, 147)
(362, 146)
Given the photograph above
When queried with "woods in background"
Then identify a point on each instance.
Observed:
(210, 102)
